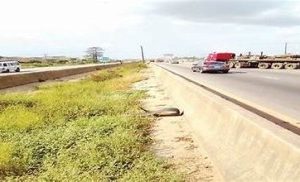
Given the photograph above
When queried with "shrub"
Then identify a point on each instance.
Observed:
(89, 130)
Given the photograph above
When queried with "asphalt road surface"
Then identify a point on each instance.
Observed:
(41, 69)
(278, 90)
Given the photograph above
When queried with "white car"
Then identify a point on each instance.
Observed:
(9, 66)
(174, 62)
(211, 66)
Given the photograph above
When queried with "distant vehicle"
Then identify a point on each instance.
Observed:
(265, 62)
(196, 67)
(9, 66)
(174, 62)
(159, 60)
(215, 62)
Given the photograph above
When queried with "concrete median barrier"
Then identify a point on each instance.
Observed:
(243, 145)
(27, 78)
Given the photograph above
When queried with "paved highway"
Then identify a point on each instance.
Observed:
(276, 90)
(40, 69)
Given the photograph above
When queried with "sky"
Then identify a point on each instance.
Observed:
(181, 27)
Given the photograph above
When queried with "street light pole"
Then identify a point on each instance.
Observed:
(142, 51)
(285, 48)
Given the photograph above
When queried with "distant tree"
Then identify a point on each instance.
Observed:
(94, 53)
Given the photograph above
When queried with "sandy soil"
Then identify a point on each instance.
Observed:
(173, 136)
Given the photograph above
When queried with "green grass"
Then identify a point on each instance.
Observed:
(90, 130)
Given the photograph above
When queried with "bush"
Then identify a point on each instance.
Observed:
(105, 75)
(90, 130)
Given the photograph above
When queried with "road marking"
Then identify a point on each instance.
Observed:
(270, 78)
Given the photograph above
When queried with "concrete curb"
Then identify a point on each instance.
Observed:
(27, 78)
(243, 146)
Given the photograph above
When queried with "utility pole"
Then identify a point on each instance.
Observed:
(285, 48)
(142, 51)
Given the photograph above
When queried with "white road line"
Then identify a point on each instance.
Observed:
(270, 78)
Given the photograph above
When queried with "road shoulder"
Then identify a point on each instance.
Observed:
(173, 137)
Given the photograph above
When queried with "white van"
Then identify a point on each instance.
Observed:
(9, 66)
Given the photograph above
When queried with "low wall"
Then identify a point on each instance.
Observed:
(242, 145)
(26, 78)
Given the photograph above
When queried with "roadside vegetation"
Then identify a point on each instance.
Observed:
(51, 63)
(91, 130)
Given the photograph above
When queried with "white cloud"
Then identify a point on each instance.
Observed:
(35, 27)
(54, 23)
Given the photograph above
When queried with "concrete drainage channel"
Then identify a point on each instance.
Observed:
(243, 145)
(27, 78)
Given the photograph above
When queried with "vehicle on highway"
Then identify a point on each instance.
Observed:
(196, 67)
(215, 62)
(159, 60)
(174, 62)
(261, 61)
(211, 67)
(9, 66)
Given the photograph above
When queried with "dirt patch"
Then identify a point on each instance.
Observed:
(173, 137)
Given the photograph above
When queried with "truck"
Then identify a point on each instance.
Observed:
(261, 61)
(220, 56)
(215, 62)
